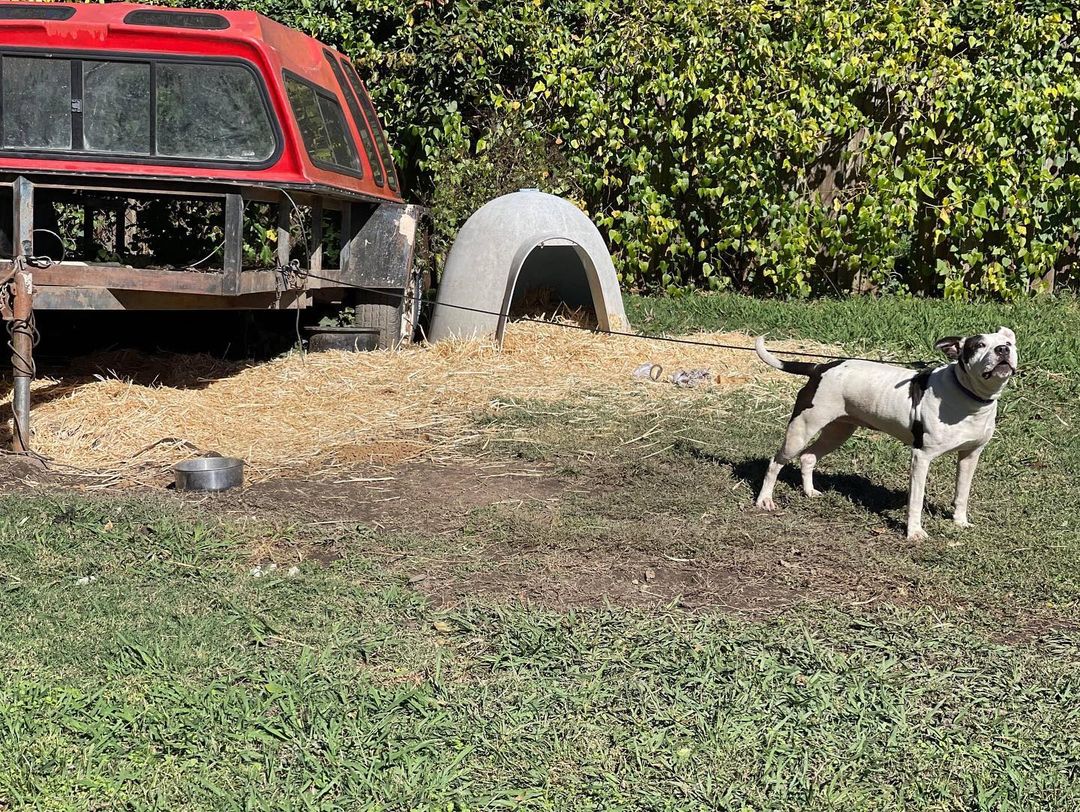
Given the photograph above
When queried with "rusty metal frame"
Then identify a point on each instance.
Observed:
(376, 251)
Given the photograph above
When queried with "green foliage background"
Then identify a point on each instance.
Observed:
(794, 146)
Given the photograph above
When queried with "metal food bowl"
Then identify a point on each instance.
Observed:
(349, 339)
(209, 474)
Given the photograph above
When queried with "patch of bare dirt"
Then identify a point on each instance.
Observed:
(516, 552)
(508, 530)
(17, 471)
(417, 497)
(757, 583)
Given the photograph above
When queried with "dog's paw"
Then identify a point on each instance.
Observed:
(813, 493)
(765, 503)
(917, 534)
(961, 522)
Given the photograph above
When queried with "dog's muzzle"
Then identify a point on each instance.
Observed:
(1002, 369)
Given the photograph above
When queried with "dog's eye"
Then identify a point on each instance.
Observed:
(979, 345)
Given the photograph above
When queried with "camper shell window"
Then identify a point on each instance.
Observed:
(150, 110)
(358, 119)
(376, 126)
(322, 126)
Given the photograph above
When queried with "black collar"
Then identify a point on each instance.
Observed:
(967, 391)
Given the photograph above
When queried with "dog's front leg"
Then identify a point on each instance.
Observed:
(920, 467)
(965, 470)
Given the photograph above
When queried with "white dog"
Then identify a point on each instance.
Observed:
(951, 408)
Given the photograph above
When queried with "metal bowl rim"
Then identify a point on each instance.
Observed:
(202, 465)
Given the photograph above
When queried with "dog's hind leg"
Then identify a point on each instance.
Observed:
(802, 427)
(831, 438)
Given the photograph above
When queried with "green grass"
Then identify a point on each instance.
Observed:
(176, 680)
(944, 676)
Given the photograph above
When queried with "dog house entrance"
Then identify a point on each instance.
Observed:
(555, 279)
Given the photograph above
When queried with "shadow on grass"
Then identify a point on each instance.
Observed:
(856, 488)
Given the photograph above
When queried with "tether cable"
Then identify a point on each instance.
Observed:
(600, 331)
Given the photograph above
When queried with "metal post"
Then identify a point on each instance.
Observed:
(120, 238)
(131, 227)
(88, 233)
(22, 356)
(22, 335)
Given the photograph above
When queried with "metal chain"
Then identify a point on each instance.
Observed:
(289, 277)
(28, 327)
(20, 363)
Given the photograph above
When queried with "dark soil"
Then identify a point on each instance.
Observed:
(510, 531)
(415, 497)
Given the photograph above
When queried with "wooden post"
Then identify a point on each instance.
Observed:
(233, 261)
(315, 261)
(284, 233)
(346, 235)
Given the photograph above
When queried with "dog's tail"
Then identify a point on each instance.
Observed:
(793, 367)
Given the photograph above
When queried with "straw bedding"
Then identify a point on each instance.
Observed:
(138, 415)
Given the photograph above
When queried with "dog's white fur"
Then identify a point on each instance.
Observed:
(953, 408)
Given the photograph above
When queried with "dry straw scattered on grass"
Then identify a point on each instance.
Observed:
(336, 409)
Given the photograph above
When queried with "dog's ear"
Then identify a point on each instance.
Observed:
(1009, 334)
(950, 345)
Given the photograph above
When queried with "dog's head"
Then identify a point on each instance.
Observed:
(983, 357)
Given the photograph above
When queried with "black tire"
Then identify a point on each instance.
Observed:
(383, 313)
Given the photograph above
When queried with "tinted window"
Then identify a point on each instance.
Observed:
(211, 111)
(116, 107)
(37, 103)
(337, 131)
(178, 19)
(37, 11)
(358, 118)
(376, 127)
(322, 126)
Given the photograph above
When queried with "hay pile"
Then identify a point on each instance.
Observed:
(323, 410)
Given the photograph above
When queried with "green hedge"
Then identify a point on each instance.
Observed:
(796, 146)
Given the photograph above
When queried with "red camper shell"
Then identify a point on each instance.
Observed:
(120, 89)
(107, 110)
